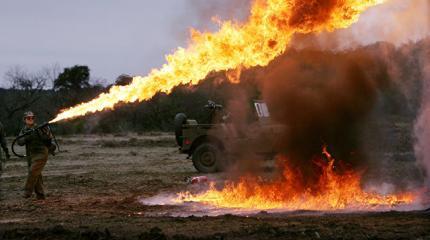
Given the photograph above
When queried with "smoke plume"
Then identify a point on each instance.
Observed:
(397, 22)
(323, 98)
(422, 125)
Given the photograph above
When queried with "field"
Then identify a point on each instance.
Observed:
(94, 189)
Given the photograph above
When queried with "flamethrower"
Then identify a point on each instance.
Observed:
(42, 126)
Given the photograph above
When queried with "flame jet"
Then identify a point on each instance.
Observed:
(264, 36)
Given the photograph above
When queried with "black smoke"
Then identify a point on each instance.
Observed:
(323, 98)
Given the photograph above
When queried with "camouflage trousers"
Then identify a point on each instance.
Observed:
(34, 182)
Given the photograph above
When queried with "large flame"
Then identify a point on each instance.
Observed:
(333, 191)
(264, 36)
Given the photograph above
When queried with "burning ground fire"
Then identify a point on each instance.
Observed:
(265, 35)
(333, 191)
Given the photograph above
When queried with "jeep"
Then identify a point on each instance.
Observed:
(213, 146)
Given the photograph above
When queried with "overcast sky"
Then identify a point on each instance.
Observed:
(111, 37)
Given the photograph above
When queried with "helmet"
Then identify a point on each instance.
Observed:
(29, 114)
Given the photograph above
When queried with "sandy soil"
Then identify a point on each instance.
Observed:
(95, 186)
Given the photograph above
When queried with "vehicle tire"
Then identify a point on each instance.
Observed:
(180, 119)
(207, 158)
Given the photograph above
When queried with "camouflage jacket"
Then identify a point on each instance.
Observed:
(37, 141)
(3, 142)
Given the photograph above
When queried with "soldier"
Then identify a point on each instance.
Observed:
(37, 146)
(3, 144)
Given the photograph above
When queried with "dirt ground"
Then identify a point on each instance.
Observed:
(95, 184)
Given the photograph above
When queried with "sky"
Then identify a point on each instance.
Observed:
(116, 37)
(112, 37)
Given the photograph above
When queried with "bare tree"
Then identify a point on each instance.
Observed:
(51, 73)
(27, 88)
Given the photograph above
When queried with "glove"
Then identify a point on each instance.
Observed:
(44, 134)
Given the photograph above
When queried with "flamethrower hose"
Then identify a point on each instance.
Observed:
(30, 132)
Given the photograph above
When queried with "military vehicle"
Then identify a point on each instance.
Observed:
(213, 146)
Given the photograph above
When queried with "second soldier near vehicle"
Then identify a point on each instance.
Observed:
(3, 144)
(37, 145)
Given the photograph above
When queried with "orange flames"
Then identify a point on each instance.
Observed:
(333, 191)
(256, 42)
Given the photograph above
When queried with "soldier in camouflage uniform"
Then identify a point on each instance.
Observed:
(37, 146)
(3, 144)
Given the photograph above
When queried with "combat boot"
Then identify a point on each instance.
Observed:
(40, 196)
